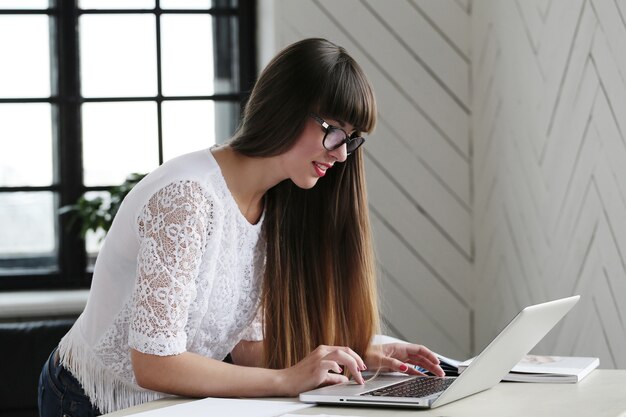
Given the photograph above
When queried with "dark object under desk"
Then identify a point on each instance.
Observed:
(24, 347)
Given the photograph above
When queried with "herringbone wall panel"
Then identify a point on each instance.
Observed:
(497, 174)
(416, 54)
(548, 128)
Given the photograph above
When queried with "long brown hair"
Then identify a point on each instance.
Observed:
(319, 283)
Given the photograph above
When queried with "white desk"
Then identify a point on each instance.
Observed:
(601, 394)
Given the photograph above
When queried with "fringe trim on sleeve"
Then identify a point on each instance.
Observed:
(105, 389)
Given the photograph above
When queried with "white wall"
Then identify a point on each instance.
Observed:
(549, 124)
(497, 175)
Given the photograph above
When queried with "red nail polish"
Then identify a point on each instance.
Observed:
(404, 368)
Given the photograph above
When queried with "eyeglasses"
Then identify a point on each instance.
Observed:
(335, 137)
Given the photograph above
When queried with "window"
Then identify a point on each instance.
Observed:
(94, 90)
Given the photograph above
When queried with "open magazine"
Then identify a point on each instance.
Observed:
(536, 368)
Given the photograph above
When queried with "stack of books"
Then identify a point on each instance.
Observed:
(535, 368)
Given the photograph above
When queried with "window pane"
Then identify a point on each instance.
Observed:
(187, 126)
(186, 4)
(226, 120)
(225, 47)
(93, 240)
(197, 4)
(25, 52)
(189, 45)
(193, 125)
(24, 4)
(116, 4)
(27, 241)
(118, 139)
(187, 54)
(26, 157)
(118, 55)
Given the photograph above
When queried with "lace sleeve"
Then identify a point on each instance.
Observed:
(254, 332)
(173, 228)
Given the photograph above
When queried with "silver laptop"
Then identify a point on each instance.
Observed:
(485, 371)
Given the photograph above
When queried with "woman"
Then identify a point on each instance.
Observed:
(258, 251)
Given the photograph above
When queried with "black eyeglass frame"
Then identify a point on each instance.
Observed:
(360, 140)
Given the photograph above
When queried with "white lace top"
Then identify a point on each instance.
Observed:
(180, 270)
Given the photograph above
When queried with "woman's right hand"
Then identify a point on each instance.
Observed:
(322, 367)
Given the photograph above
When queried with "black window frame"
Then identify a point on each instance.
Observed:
(65, 100)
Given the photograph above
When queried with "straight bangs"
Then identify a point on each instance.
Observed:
(347, 96)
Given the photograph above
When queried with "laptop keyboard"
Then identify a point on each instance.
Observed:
(417, 387)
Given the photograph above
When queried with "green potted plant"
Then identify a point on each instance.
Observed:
(98, 213)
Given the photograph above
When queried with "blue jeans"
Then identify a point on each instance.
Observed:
(60, 394)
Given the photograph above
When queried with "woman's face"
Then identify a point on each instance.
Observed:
(307, 161)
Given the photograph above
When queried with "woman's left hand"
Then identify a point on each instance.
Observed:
(402, 357)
